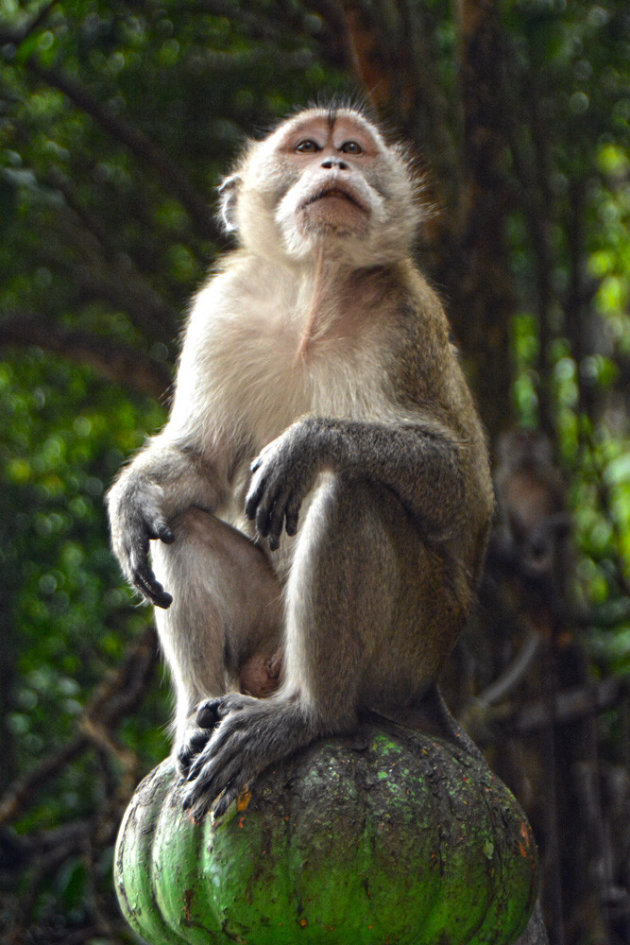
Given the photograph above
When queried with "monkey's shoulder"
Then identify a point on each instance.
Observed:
(423, 359)
(421, 307)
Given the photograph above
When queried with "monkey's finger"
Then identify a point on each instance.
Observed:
(154, 592)
(135, 556)
(271, 505)
(209, 781)
(209, 713)
(197, 766)
(161, 531)
(197, 806)
(254, 496)
(194, 745)
(262, 456)
(229, 796)
(216, 776)
(264, 513)
(215, 746)
(223, 745)
(145, 580)
(292, 514)
(200, 809)
(203, 760)
(275, 520)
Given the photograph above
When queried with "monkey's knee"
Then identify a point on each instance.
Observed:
(209, 553)
(362, 518)
(224, 625)
(196, 526)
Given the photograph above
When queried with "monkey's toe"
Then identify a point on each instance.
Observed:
(188, 751)
(214, 784)
(209, 713)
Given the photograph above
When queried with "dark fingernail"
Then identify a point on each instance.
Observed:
(207, 717)
(164, 601)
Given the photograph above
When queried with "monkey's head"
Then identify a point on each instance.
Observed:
(324, 180)
(520, 449)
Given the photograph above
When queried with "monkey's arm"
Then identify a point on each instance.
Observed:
(421, 462)
(164, 479)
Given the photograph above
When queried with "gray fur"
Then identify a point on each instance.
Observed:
(321, 411)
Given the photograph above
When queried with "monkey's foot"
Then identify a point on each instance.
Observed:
(252, 734)
(201, 722)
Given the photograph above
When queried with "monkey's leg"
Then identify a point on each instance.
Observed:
(225, 617)
(357, 608)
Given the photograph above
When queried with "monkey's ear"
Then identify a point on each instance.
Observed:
(228, 191)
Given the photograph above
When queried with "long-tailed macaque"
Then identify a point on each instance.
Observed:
(320, 497)
(532, 540)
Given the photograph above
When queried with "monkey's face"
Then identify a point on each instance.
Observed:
(327, 180)
(332, 169)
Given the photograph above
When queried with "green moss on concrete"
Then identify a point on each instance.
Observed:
(387, 838)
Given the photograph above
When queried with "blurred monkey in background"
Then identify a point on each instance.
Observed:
(532, 541)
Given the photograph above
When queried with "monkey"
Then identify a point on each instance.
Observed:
(531, 541)
(319, 500)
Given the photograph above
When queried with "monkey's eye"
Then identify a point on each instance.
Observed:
(351, 147)
(308, 146)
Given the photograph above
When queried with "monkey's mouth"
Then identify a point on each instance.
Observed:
(335, 191)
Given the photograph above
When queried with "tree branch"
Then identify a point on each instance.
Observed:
(483, 290)
(368, 52)
(117, 696)
(17, 36)
(570, 705)
(508, 680)
(138, 143)
(18, 794)
(111, 360)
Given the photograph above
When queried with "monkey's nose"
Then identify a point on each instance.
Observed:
(331, 162)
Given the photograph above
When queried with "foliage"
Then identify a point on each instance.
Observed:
(59, 451)
(571, 256)
(66, 617)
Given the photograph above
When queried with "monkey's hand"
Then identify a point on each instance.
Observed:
(283, 474)
(135, 517)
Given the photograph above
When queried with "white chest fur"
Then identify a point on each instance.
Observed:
(261, 352)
